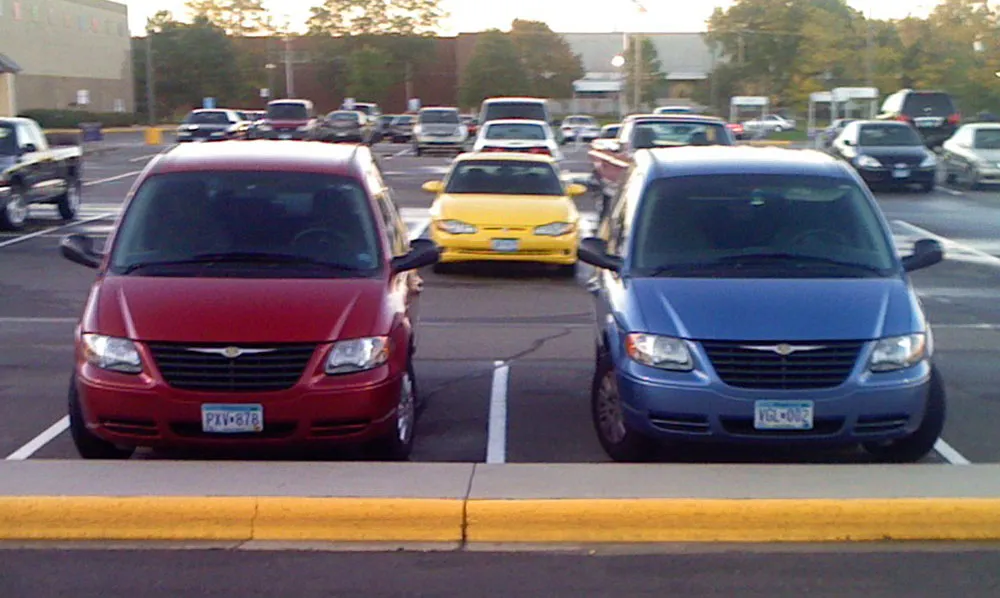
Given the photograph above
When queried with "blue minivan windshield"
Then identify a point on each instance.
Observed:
(760, 225)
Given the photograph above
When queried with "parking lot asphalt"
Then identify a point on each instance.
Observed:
(505, 353)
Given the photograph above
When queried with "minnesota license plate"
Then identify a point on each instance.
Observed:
(783, 415)
(505, 245)
(232, 419)
(926, 122)
(901, 173)
(285, 136)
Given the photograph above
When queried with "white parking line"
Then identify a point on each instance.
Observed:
(400, 154)
(142, 158)
(496, 436)
(41, 440)
(950, 454)
(17, 320)
(916, 230)
(46, 231)
(110, 179)
(951, 191)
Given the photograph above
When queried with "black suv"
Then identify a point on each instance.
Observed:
(932, 113)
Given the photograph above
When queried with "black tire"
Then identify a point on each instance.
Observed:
(631, 446)
(397, 444)
(442, 268)
(918, 445)
(566, 271)
(13, 210)
(417, 151)
(68, 203)
(87, 444)
(927, 187)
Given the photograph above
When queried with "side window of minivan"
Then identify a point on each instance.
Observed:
(618, 229)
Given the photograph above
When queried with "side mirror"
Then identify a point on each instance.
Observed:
(433, 186)
(847, 142)
(575, 189)
(594, 251)
(926, 252)
(79, 249)
(29, 148)
(423, 252)
(613, 146)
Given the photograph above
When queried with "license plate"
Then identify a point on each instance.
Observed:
(926, 122)
(232, 419)
(505, 245)
(901, 173)
(285, 136)
(783, 415)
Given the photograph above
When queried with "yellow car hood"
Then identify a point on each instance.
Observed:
(510, 210)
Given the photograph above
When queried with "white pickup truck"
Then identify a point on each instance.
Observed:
(31, 172)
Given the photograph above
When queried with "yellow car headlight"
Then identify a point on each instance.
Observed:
(555, 229)
(456, 227)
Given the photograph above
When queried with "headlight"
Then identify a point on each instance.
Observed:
(662, 352)
(929, 162)
(110, 353)
(555, 229)
(357, 355)
(898, 352)
(263, 127)
(867, 162)
(456, 227)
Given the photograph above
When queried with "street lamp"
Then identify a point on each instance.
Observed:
(618, 62)
(270, 66)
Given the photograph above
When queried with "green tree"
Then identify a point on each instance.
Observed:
(368, 79)
(494, 69)
(652, 79)
(376, 17)
(235, 17)
(548, 60)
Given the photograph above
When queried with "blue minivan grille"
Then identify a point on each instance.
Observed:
(746, 364)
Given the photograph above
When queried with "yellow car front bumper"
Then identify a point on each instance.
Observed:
(506, 246)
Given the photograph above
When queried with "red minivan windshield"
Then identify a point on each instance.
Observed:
(248, 224)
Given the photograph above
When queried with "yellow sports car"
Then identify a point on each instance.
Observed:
(505, 207)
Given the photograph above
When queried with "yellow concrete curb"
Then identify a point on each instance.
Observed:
(230, 518)
(696, 520)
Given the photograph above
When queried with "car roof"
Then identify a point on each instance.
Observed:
(291, 101)
(695, 118)
(439, 108)
(515, 99)
(717, 160)
(887, 123)
(504, 156)
(515, 121)
(986, 125)
(265, 155)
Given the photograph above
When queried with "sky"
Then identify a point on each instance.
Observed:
(564, 16)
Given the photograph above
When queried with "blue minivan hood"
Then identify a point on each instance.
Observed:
(777, 309)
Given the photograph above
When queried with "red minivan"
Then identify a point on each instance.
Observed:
(252, 293)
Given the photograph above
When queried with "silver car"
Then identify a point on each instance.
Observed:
(439, 129)
(971, 156)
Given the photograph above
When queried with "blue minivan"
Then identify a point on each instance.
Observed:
(754, 295)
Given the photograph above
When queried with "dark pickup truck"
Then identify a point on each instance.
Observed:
(31, 172)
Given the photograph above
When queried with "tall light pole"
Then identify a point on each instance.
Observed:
(869, 44)
(637, 71)
(618, 62)
(289, 73)
(150, 89)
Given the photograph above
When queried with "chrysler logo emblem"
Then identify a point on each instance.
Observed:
(232, 352)
(229, 352)
(783, 349)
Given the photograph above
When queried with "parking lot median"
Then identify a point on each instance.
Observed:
(495, 504)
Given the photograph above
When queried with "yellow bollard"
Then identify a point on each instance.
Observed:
(154, 136)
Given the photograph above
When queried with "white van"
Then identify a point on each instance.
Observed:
(516, 108)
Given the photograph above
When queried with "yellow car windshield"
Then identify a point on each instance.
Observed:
(504, 177)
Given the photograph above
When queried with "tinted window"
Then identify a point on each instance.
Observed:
(673, 110)
(404, 120)
(504, 177)
(516, 110)
(888, 135)
(207, 118)
(928, 104)
(671, 134)
(580, 120)
(343, 116)
(248, 224)
(987, 139)
(434, 117)
(610, 132)
(759, 225)
(8, 140)
(287, 112)
(516, 131)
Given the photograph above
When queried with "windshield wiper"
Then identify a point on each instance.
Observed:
(742, 260)
(243, 257)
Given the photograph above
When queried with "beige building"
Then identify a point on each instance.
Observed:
(71, 53)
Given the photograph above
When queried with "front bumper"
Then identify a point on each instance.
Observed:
(439, 142)
(190, 136)
(530, 247)
(290, 134)
(320, 410)
(887, 176)
(700, 407)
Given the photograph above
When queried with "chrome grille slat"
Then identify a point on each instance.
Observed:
(187, 369)
(743, 367)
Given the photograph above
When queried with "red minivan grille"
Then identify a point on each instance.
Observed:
(206, 368)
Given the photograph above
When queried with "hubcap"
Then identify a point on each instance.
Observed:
(610, 419)
(17, 209)
(405, 411)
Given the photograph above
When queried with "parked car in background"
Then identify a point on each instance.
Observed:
(439, 129)
(519, 136)
(608, 134)
(286, 119)
(833, 131)
(32, 172)
(252, 295)
(401, 129)
(737, 130)
(344, 126)
(369, 109)
(579, 127)
(505, 207)
(518, 108)
(213, 125)
(933, 113)
(720, 310)
(471, 124)
(675, 110)
(972, 156)
(887, 153)
(769, 123)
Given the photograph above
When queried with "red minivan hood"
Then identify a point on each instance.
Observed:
(220, 310)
